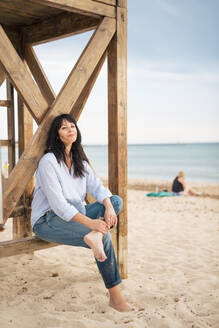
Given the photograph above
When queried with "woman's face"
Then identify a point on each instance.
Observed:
(68, 132)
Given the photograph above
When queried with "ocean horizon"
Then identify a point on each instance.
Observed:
(199, 161)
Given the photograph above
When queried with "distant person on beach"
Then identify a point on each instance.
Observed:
(59, 215)
(181, 187)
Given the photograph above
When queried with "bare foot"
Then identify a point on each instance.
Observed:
(117, 301)
(94, 240)
(120, 306)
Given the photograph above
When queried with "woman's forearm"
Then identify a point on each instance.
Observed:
(107, 203)
(82, 219)
(96, 225)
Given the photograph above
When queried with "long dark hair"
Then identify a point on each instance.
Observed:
(55, 145)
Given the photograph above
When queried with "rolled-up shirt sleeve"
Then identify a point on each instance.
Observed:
(95, 186)
(52, 190)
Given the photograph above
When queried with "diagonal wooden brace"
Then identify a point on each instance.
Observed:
(21, 78)
(39, 74)
(2, 74)
(78, 78)
(82, 99)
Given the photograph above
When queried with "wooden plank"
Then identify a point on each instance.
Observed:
(57, 27)
(19, 227)
(18, 13)
(117, 121)
(86, 7)
(25, 133)
(64, 102)
(21, 78)
(21, 224)
(4, 143)
(39, 74)
(21, 246)
(5, 103)
(25, 126)
(81, 101)
(19, 211)
(11, 127)
(13, 35)
(2, 74)
(122, 3)
(107, 2)
(1, 193)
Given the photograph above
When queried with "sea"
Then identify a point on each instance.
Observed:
(199, 161)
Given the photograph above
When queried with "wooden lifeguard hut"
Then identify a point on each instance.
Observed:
(23, 24)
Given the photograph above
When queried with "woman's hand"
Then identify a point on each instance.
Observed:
(98, 225)
(110, 217)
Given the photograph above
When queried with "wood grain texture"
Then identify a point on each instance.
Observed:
(19, 211)
(14, 36)
(57, 27)
(25, 133)
(107, 2)
(86, 7)
(5, 103)
(117, 130)
(4, 143)
(64, 102)
(122, 3)
(11, 125)
(25, 245)
(18, 13)
(39, 74)
(21, 224)
(2, 74)
(21, 78)
(81, 101)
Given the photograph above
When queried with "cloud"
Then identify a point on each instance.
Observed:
(136, 72)
(174, 71)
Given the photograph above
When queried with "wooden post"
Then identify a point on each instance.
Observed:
(117, 121)
(1, 193)
(21, 224)
(122, 3)
(11, 129)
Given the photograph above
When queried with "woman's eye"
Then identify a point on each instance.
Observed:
(64, 127)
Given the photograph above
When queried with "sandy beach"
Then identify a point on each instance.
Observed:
(173, 251)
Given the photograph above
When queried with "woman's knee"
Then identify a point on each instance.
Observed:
(117, 203)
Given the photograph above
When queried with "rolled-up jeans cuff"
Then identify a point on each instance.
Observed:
(115, 283)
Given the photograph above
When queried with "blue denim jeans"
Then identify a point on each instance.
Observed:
(52, 228)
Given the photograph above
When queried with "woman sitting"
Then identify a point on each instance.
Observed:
(59, 214)
(181, 187)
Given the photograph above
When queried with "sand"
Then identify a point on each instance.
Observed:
(173, 273)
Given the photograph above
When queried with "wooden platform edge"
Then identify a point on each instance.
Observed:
(24, 245)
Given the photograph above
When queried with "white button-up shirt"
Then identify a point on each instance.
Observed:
(58, 190)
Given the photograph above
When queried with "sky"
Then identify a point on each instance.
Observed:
(173, 74)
